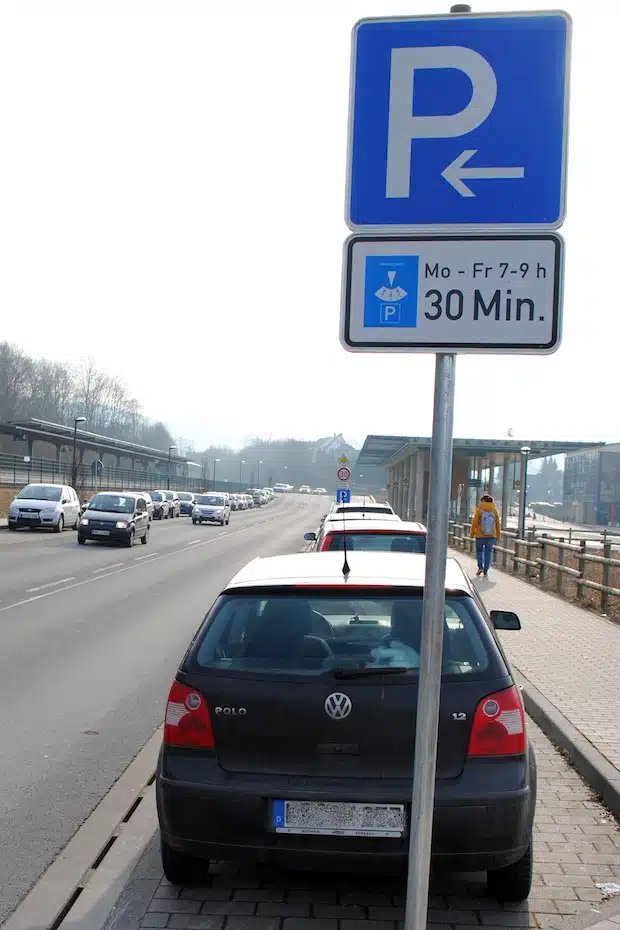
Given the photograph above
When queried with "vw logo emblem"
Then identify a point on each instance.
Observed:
(338, 705)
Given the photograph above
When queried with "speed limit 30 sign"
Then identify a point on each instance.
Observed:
(344, 473)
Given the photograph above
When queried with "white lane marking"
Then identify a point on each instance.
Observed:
(194, 541)
(50, 584)
(79, 584)
(118, 571)
(149, 555)
(107, 568)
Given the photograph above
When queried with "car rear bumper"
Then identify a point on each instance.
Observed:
(471, 830)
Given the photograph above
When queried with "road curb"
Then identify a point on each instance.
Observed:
(600, 774)
(99, 856)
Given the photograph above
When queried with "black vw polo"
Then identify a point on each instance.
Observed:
(289, 730)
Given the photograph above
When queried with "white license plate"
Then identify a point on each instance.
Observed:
(100, 532)
(326, 818)
(29, 516)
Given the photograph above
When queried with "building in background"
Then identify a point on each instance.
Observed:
(592, 486)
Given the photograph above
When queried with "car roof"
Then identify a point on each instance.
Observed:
(381, 569)
(377, 526)
(363, 515)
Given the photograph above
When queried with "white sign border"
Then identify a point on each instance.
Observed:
(459, 349)
(447, 228)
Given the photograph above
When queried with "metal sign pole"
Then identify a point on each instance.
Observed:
(427, 721)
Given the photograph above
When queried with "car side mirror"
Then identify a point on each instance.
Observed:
(65, 500)
(310, 537)
(505, 620)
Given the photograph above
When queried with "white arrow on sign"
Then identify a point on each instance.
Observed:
(455, 172)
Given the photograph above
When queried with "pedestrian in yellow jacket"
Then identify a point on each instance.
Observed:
(486, 529)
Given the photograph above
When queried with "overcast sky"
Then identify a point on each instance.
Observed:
(171, 202)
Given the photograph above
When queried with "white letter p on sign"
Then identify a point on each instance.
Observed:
(403, 126)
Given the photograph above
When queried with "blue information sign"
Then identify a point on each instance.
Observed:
(343, 496)
(459, 121)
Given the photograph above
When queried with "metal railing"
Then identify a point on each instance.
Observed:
(15, 473)
(574, 563)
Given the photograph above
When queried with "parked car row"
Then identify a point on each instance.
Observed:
(335, 655)
(57, 507)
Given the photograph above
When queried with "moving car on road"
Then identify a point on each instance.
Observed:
(161, 507)
(329, 775)
(305, 489)
(186, 503)
(211, 508)
(114, 517)
(320, 491)
(53, 505)
(370, 536)
(174, 503)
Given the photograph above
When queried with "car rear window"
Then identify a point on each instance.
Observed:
(156, 496)
(184, 496)
(377, 542)
(313, 634)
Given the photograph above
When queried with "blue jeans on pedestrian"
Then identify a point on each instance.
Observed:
(484, 549)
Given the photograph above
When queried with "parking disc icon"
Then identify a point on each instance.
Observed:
(391, 291)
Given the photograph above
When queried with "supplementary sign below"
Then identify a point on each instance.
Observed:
(344, 473)
(498, 294)
(459, 121)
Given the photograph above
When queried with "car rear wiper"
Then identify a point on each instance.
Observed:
(369, 672)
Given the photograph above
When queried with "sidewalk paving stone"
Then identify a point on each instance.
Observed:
(569, 654)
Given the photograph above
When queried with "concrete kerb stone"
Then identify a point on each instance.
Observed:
(586, 759)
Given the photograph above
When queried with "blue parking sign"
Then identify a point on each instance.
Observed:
(343, 496)
(391, 291)
(459, 121)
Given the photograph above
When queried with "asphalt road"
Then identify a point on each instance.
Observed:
(90, 638)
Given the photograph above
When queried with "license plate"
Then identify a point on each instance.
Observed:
(326, 818)
(100, 532)
(29, 516)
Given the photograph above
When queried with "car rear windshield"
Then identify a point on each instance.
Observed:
(364, 509)
(211, 500)
(184, 496)
(377, 542)
(39, 492)
(112, 503)
(316, 634)
(156, 496)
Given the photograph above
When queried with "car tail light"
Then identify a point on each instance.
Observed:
(187, 722)
(327, 543)
(499, 725)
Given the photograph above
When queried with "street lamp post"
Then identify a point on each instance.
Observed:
(258, 473)
(215, 462)
(74, 463)
(525, 452)
(241, 464)
(170, 451)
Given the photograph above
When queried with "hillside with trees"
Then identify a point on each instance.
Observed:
(58, 392)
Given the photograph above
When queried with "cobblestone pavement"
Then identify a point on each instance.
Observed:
(577, 844)
(569, 654)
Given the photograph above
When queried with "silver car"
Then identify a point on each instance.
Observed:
(52, 505)
(211, 508)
